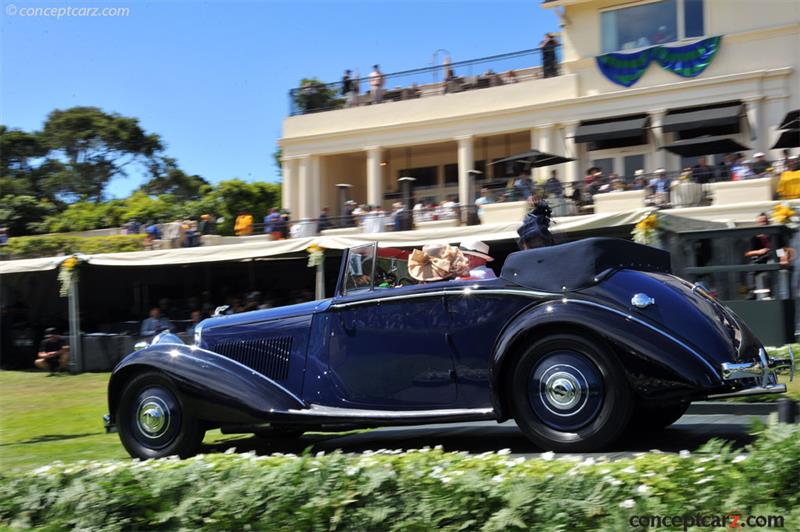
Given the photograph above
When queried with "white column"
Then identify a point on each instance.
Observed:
(308, 190)
(534, 138)
(774, 110)
(659, 159)
(374, 176)
(755, 119)
(289, 184)
(571, 170)
(545, 134)
(466, 162)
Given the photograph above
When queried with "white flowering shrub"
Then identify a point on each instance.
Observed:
(417, 490)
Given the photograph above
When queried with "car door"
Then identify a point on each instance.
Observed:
(387, 348)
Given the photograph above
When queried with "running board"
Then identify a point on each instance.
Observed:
(328, 414)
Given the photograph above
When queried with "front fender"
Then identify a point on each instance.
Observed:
(217, 389)
(650, 354)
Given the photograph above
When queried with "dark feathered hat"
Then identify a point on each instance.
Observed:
(536, 224)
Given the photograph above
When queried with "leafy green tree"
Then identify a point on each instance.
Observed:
(146, 209)
(169, 179)
(21, 153)
(23, 214)
(313, 95)
(94, 147)
(85, 216)
(234, 196)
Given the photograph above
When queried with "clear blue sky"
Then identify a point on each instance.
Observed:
(212, 77)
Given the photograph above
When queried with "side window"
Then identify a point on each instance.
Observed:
(360, 261)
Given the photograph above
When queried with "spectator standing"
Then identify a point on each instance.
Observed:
(172, 233)
(349, 89)
(523, 185)
(152, 233)
(376, 81)
(701, 172)
(285, 223)
(660, 187)
(155, 323)
(271, 223)
(206, 225)
(782, 164)
(324, 221)
(548, 48)
(789, 184)
(553, 186)
(760, 165)
(3, 236)
(133, 227)
(511, 77)
(243, 226)
(53, 352)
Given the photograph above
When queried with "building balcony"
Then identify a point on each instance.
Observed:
(485, 85)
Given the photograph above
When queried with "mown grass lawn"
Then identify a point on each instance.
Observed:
(45, 418)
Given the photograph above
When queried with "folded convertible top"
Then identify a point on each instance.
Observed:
(576, 264)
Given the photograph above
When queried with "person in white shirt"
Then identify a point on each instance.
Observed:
(376, 84)
(478, 254)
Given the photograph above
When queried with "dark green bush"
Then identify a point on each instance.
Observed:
(51, 245)
(419, 490)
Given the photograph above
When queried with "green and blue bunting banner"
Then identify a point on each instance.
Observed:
(687, 61)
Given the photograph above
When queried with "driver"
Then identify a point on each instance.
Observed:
(477, 253)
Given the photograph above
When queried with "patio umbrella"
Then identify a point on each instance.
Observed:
(535, 158)
(704, 145)
(789, 138)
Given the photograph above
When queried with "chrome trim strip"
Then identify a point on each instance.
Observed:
(744, 370)
(337, 412)
(466, 291)
(755, 390)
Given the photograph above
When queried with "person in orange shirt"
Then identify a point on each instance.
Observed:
(244, 224)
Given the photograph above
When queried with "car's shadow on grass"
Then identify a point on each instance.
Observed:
(50, 438)
(478, 438)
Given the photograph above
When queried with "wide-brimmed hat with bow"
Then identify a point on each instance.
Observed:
(436, 262)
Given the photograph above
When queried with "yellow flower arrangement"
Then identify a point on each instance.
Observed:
(645, 230)
(66, 275)
(316, 255)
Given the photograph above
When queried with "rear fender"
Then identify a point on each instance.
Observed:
(647, 352)
(215, 388)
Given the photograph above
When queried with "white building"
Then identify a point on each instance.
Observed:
(752, 81)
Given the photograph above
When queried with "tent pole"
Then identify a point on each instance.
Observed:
(320, 285)
(75, 354)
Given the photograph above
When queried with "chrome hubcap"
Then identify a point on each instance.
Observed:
(153, 417)
(562, 391)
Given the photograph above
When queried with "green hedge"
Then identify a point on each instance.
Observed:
(50, 245)
(419, 490)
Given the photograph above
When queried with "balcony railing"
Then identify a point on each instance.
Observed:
(473, 74)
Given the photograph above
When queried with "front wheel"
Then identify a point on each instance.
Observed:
(570, 394)
(152, 421)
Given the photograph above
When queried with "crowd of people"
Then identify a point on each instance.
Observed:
(179, 233)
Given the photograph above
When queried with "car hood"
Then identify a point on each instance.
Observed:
(289, 311)
(684, 311)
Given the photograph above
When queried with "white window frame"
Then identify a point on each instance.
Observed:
(681, 23)
(618, 155)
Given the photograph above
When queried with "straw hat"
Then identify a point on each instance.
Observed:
(436, 262)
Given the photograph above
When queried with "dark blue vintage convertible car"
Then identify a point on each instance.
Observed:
(575, 342)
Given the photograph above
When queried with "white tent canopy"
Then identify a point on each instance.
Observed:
(259, 249)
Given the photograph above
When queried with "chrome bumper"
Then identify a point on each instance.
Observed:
(766, 369)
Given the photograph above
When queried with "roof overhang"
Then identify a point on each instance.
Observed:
(704, 146)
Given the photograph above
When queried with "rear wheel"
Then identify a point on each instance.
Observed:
(570, 394)
(152, 421)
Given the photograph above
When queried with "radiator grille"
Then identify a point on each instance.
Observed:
(269, 356)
